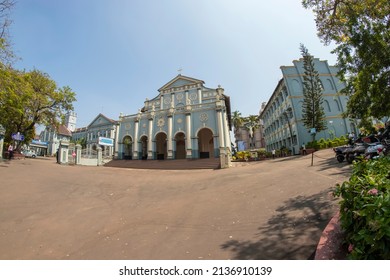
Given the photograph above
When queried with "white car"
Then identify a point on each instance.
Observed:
(29, 153)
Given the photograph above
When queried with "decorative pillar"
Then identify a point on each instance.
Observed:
(228, 143)
(78, 154)
(116, 139)
(188, 135)
(135, 140)
(200, 95)
(196, 154)
(170, 147)
(221, 135)
(172, 100)
(63, 152)
(99, 156)
(150, 135)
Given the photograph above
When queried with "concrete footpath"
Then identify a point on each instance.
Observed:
(274, 209)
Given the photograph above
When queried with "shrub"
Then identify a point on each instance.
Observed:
(243, 155)
(261, 152)
(314, 145)
(365, 209)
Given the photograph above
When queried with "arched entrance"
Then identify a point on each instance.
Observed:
(144, 147)
(161, 145)
(205, 143)
(180, 146)
(127, 147)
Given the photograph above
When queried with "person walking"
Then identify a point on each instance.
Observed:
(304, 149)
(273, 153)
(10, 151)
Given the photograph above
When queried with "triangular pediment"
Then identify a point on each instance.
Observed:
(181, 81)
(101, 120)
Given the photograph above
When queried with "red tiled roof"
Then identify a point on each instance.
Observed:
(63, 130)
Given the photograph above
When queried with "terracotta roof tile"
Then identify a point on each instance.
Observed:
(63, 130)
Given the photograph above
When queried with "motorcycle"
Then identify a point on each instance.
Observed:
(358, 150)
(340, 152)
(360, 147)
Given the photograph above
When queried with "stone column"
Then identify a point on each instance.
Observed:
(63, 152)
(200, 95)
(195, 151)
(116, 140)
(170, 146)
(188, 135)
(78, 154)
(135, 140)
(221, 136)
(99, 156)
(150, 138)
(1, 147)
(228, 143)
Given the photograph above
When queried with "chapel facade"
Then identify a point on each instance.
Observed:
(186, 120)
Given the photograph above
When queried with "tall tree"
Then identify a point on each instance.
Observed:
(313, 114)
(361, 32)
(31, 98)
(237, 121)
(6, 54)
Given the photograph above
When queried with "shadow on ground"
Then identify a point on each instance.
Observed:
(292, 233)
(331, 163)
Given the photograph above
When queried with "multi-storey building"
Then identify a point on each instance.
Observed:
(282, 115)
(100, 132)
(185, 120)
(52, 136)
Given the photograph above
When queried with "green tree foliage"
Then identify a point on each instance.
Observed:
(31, 98)
(237, 121)
(6, 54)
(361, 32)
(81, 141)
(313, 113)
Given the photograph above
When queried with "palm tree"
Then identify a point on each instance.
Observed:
(238, 121)
(252, 123)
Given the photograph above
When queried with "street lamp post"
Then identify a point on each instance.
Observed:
(2, 133)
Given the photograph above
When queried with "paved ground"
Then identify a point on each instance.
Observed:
(274, 209)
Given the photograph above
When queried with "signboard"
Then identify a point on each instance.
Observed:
(106, 141)
(39, 143)
(18, 136)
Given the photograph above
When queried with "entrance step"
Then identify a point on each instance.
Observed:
(177, 164)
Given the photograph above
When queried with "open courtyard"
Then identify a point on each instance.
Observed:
(273, 209)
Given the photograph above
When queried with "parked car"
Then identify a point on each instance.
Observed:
(29, 153)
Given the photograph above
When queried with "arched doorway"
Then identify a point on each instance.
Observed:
(205, 143)
(127, 147)
(161, 145)
(180, 146)
(144, 147)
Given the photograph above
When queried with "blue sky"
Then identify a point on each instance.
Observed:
(116, 53)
